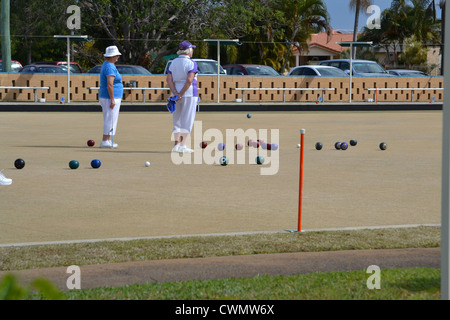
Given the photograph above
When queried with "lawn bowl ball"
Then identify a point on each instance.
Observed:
(203, 144)
(74, 164)
(147, 163)
(239, 146)
(337, 145)
(353, 142)
(221, 146)
(383, 146)
(298, 145)
(273, 146)
(319, 145)
(223, 161)
(249, 115)
(344, 146)
(250, 142)
(264, 145)
(19, 163)
(256, 144)
(96, 163)
(259, 160)
(90, 143)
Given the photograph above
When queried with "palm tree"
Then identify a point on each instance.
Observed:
(303, 18)
(410, 21)
(359, 6)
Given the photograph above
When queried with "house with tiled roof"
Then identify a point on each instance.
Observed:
(322, 47)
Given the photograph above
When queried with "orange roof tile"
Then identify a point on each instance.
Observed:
(322, 40)
(331, 43)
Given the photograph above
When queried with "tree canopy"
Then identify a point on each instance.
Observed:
(408, 27)
(147, 32)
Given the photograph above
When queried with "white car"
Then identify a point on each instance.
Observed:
(317, 71)
(204, 66)
(361, 68)
(15, 66)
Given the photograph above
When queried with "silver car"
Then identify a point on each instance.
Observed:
(317, 71)
(205, 67)
(361, 68)
(408, 73)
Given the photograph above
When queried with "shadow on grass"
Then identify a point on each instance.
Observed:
(418, 284)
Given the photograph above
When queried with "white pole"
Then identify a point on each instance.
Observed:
(68, 70)
(445, 218)
(218, 71)
(351, 73)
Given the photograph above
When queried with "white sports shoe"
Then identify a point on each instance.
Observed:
(4, 181)
(176, 148)
(185, 149)
(108, 144)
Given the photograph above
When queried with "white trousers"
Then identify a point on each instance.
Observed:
(184, 115)
(110, 116)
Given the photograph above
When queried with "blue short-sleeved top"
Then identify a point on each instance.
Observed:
(109, 69)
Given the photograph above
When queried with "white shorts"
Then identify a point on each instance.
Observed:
(184, 115)
(110, 116)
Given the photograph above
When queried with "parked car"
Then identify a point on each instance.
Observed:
(408, 73)
(74, 66)
(204, 66)
(15, 66)
(124, 69)
(317, 71)
(43, 68)
(250, 70)
(361, 68)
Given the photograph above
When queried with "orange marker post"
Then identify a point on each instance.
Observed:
(300, 189)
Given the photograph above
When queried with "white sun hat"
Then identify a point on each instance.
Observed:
(112, 51)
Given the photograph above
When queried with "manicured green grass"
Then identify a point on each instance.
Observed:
(396, 284)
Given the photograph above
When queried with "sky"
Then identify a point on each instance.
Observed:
(342, 18)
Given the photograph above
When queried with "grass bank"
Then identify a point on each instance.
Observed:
(43, 256)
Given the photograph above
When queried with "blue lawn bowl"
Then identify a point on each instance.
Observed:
(221, 146)
(344, 146)
(96, 163)
(249, 115)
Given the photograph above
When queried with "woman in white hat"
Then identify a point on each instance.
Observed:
(110, 96)
(182, 81)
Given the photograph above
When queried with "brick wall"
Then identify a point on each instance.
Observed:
(80, 84)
